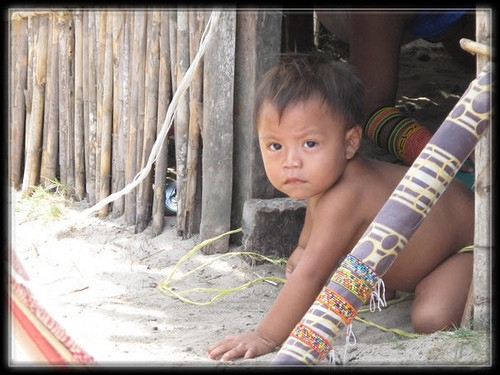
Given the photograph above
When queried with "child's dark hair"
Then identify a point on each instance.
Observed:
(299, 77)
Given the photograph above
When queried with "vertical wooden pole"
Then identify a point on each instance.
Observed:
(218, 74)
(164, 97)
(70, 97)
(138, 20)
(100, 54)
(19, 55)
(28, 93)
(120, 79)
(192, 210)
(141, 103)
(107, 117)
(181, 118)
(151, 111)
(91, 63)
(32, 168)
(483, 245)
(48, 169)
(258, 45)
(79, 148)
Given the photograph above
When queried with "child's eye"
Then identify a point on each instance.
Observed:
(310, 144)
(274, 146)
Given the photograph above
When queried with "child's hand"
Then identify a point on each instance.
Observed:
(247, 345)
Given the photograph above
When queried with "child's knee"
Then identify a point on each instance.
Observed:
(430, 318)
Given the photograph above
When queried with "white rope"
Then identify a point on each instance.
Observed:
(181, 89)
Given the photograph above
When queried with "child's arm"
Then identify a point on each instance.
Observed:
(330, 235)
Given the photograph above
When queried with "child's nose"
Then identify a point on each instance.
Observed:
(292, 159)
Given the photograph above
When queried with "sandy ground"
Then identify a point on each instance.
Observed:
(100, 280)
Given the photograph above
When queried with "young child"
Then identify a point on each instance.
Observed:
(308, 117)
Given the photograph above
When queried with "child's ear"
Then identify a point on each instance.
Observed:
(353, 141)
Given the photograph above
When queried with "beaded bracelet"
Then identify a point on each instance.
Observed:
(402, 136)
(352, 283)
(312, 339)
(337, 303)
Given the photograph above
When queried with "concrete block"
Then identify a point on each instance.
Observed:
(272, 226)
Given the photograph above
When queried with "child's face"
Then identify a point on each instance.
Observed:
(305, 152)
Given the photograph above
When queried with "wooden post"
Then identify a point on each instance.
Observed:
(79, 144)
(181, 119)
(258, 45)
(192, 210)
(138, 48)
(150, 119)
(164, 97)
(32, 168)
(70, 97)
(19, 64)
(100, 57)
(28, 93)
(48, 169)
(92, 107)
(120, 56)
(483, 245)
(218, 133)
(107, 121)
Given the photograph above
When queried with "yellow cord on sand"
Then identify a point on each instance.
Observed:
(166, 289)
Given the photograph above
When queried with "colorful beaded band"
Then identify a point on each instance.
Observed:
(377, 121)
(352, 283)
(311, 339)
(337, 303)
(402, 136)
(415, 143)
(361, 269)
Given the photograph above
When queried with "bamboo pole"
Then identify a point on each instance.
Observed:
(32, 168)
(28, 93)
(85, 91)
(136, 76)
(79, 144)
(19, 62)
(192, 210)
(100, 54)
(483, 243)
(70, 153)
(218, 95)
(151, 111)
(141, 103)
(91, 107)
(164, 98)
(181, 119)
(118, 160)
(48, 170)
(475, 47)
(107, 120)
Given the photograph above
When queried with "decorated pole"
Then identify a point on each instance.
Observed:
(353, 282)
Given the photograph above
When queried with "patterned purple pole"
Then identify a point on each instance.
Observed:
(421, 187)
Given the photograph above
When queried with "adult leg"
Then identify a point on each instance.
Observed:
(441, 296)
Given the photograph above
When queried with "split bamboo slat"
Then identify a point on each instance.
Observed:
(181, 118)
(218, 74)
(164, 97)
(33, 155)
(144, 204)
(19, 66)
(483, 242)
(106, 126)
(78, 109)
(48, 169)
(118, 154)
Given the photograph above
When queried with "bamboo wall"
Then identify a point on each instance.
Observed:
(89, 92)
